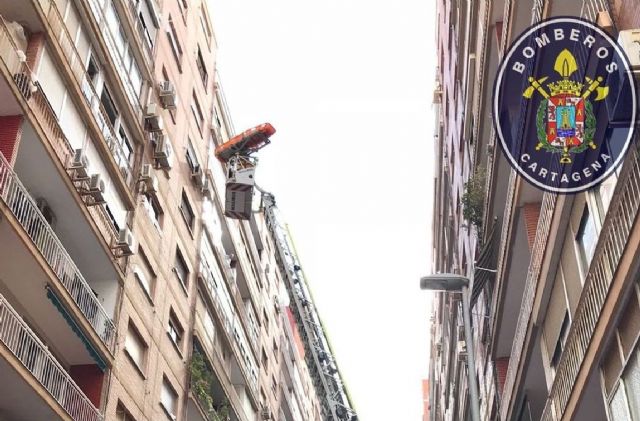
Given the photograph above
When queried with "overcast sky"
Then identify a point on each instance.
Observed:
(347, 84)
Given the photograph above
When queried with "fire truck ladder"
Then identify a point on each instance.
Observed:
(328, 383)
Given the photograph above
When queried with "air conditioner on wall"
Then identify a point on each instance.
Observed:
(167, 94)
(163, 153)
(97, 188)
(79, 163)
(152, 118)
(126, 242)
(206, 189)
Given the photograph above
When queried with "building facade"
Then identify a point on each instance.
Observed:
(125, 293)
(555, 308)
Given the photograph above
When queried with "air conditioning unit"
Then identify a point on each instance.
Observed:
(167, 94)
(164, 153)
(149, 179)
(152, 118)
(629, 40)
(146, 172)
(79, 163)
(462, 350)
(97, 188)
(266, 414)
(126, 242)
(198, 175)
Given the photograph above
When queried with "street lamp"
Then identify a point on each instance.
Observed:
(457, 283)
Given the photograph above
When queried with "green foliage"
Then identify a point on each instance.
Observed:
(202, 381)
(474, 197)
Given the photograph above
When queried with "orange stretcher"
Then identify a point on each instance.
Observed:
(246, 142)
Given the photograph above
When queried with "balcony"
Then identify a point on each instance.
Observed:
(29, 224)
(245, 371)
(32, 102)
(18, 393)
(60, 37)
(603, 272)
(208, 401)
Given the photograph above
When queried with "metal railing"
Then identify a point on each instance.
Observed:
(533, 274)
(590, 8)
(232, 325)
(537, 11)
(34, 355)
(609, 249)
(24, 208)
(46, 118)
(61, 35)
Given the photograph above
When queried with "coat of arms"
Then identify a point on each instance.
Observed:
(565, 121)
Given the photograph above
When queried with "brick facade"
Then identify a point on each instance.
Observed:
(10, 134)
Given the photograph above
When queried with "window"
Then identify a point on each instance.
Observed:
(204, 22)
(169, 399)
(265, 319)
(202, 67)
(181, 269)
(175, 330)
(562, 339)
(275, 349)
(135, 347)
(122, 414)
(197, 111)
(176, 49)
(264, 359)
(146, 17)
(586, 238)
(187, 211)
(151, 204)
(192, 158)
(144, 273)
(109, 106)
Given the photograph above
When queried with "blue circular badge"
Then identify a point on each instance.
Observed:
(564, 105)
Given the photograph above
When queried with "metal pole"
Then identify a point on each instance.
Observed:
(474, 398)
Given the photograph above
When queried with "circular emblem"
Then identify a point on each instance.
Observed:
(564, 105)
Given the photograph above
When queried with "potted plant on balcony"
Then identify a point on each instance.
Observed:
(202, 382)
(473, 199)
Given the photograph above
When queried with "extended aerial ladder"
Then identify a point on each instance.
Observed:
(323, 368)
(237, 153)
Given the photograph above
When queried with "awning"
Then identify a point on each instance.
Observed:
(485, 266)
(74, 326)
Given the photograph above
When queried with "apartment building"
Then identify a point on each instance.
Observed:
(125, 293)
(555, 308)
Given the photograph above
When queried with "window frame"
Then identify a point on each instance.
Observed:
(141, 366)
(183, 278)
(187, 212)
(174, 394)
(174, 42)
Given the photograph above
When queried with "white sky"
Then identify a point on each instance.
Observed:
(347, 84)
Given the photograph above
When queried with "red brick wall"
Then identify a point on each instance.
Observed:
(296, 333)
(90, 378)
(531, 214)
(10, 133)
(34, 49)
(502, 364)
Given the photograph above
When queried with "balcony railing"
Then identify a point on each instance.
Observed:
(609, 249)
(46, 118)
(232, 325)
(24, 208)
(34, 355)
(531, 284)
(60, 33)
(590, 8)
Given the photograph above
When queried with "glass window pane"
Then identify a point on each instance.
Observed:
(632, 384)
(618, 406)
